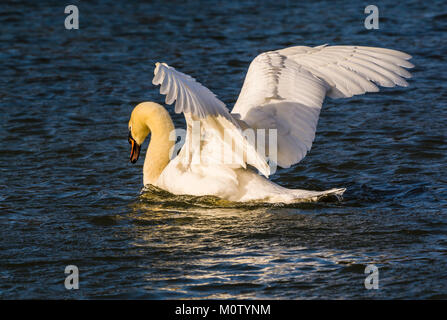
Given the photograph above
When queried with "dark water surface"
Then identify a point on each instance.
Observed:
(68, 194)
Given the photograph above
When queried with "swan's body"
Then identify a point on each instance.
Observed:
(283, 90)
(234, 184)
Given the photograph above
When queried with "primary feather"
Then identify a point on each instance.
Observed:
(285, 89)
(202, 108)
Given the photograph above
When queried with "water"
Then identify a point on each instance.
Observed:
(68, 194)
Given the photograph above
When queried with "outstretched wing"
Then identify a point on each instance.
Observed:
(285, 89)
(218, 133)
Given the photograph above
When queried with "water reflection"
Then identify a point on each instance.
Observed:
(231, 248)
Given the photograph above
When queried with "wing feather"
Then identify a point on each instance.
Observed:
(285, 89)
(201, 107)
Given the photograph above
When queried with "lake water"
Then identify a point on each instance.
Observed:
(69, 196)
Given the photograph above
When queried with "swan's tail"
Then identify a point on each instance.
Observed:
(301, 195)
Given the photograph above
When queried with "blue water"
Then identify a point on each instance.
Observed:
(68, 194)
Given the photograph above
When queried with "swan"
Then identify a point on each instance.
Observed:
(282, 94)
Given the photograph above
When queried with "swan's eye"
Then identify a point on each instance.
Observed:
(129, 138)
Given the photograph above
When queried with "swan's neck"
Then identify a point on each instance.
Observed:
(160, 146)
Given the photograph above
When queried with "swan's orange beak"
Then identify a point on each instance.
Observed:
(135, 151)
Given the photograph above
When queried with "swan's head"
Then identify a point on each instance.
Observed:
(138, 130)
(147, 118)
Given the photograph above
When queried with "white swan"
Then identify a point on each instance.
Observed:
(283, 90)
